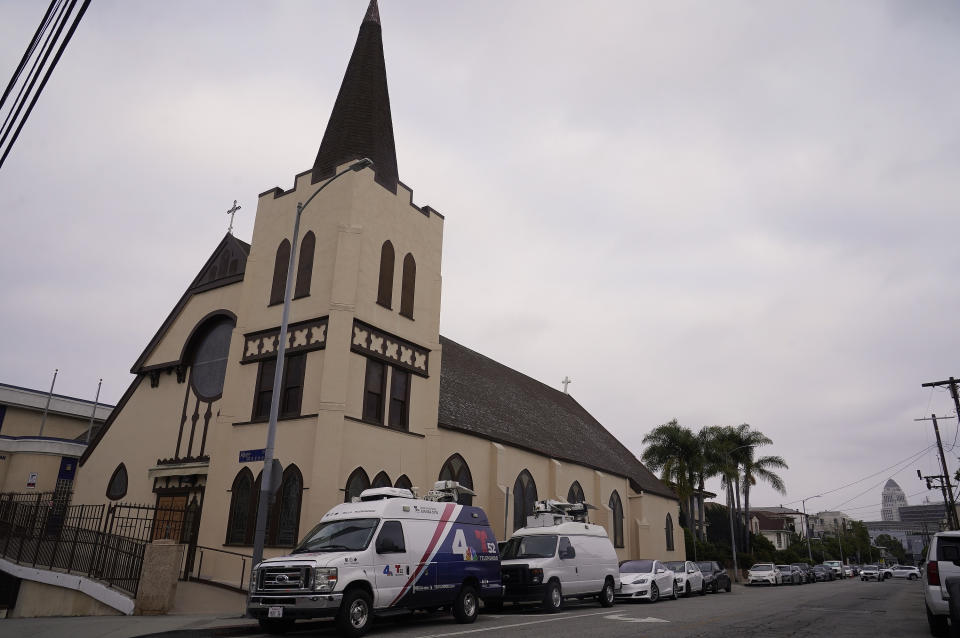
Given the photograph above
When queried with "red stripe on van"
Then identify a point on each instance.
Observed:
(437, 533)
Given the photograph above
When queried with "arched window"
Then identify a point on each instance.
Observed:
(117, 485)
(524, 498)
(403, 483)
(616, 508)
(669, 532)
(381, 480)
(287, 526)
(385, 286)
(575, 493)
(208, 354)
(242, 499)
(408, 285)
(356, 483)
(305, 266)
(280, 272)
(455, 469)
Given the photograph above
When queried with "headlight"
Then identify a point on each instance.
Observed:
(324, 578)
(641, 581)
(536, 576)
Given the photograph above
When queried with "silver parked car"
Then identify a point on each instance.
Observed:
(790, 575)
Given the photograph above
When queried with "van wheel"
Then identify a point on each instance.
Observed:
(938, 624)
(607, 595)
(355, 613)
(467, 605)
(552, 597)
(276, 627)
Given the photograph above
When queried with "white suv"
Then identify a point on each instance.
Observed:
(943, 562)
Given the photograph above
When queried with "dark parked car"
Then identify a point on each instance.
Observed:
(808, 573)
(715, 577)
(823, 572)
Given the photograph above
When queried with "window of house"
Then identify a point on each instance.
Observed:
(575, 493)
(408, 285)
(117, 486)
(668, 530)
(399, 398)
(524, 499)
(356, 483)
(381, 480)
(385, 284)
(283, 515)
(209, 351)
(305, 266)
(280, 266)
(291, 395)
(374, 388)
(241, 504)
(616, 508)
(456, 469)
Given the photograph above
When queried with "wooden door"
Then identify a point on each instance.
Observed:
(168, 521)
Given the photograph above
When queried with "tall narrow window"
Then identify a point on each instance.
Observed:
(280, 272)
(399, 398)
(288, 507)
(668, 530)
(455, 469)
(575, 493)
(117, 486)
(616, 509)
(291, 395)
(408, 286)
(356, 483)
(374, 388)
(385, 286)
(524, 499)
(404, 482)
(241, 500)
(305, 265)
(381, 480)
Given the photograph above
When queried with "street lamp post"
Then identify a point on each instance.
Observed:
(806, 524)
(266, 487)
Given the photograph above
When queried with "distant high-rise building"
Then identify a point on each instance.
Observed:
(892, 500)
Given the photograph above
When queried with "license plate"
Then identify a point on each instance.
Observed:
(275, 612)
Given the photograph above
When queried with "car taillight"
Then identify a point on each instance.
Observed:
(933, 573)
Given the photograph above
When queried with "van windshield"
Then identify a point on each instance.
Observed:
(530, 547)
(339, 536)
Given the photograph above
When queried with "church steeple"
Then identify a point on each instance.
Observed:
(360, 124)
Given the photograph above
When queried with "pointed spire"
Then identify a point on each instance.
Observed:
(360, 124)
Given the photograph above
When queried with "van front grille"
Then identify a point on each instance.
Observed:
(283, 579)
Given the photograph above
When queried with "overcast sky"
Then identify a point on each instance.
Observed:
(720, 212)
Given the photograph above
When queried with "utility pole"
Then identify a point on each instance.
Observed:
(949, 502)
(952, 383)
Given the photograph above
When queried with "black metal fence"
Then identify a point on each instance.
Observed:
(105, 543)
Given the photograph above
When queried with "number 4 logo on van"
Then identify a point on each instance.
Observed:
(460, 546)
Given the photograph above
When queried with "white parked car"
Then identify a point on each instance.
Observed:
(764, 574)
(943, 562)
(836, 566)
(688, 576)
(905, 571)
(646, 580)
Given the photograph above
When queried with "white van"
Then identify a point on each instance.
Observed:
(557, 557)
(388, 554)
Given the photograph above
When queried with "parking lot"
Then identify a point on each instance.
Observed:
(846, 608)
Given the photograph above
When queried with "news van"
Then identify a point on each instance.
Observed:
(387, 554)
(559, 555)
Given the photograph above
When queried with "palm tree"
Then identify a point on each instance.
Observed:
(710, 440)
(673, 450)
(750, 469)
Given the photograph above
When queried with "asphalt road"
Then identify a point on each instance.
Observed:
(839, 608)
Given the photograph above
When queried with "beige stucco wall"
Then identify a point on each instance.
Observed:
(15, 469)
(23, 422)
(647, 526)
(38, 600)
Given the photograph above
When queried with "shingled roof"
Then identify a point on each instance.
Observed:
(360, 124)
(482, 397)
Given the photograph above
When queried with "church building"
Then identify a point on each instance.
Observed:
(372, 394)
